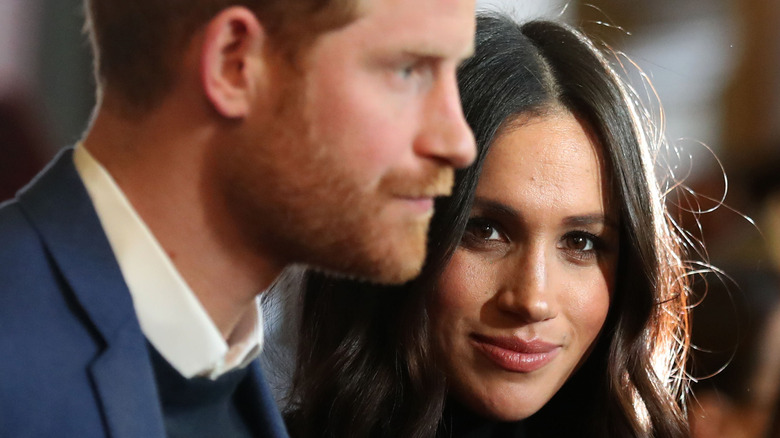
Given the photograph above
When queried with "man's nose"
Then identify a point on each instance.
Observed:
(446, 137)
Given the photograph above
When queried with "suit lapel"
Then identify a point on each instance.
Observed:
(58, 205)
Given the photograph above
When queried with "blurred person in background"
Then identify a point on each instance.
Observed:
(736, 315)
(22, 144)
(736, 356)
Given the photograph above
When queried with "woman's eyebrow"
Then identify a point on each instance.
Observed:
(590, 219)
(489, 205)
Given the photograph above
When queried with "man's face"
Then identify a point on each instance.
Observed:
(360, 142)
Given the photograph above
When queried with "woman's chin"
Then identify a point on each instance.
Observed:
(504, 411)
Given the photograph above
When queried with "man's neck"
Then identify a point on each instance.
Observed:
(160, 163)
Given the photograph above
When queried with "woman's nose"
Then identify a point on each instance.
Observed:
(527, 291)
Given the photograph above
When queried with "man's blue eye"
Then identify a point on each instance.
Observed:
(407, 71)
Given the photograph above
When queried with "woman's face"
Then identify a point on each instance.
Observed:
(526, 293)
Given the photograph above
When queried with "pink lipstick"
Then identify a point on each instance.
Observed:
(515, 354)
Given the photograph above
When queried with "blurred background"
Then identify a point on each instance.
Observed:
(713, 64)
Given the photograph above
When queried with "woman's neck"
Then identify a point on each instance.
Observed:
(459, 421)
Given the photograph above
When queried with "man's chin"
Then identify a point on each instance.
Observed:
(401, 273)
(393, 267)
(386, 275)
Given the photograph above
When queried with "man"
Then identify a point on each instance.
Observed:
(229, 141)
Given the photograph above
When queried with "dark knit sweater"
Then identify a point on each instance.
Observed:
(199, 407)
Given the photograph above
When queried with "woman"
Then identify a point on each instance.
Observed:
(553, 299)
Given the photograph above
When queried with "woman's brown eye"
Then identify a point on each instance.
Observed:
(580, 243)
(482, 230)
(485, 232)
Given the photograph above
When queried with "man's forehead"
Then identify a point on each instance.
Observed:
(435, 27)
(418, 10)
(364, 5)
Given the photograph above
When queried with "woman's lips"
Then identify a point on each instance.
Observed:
(514, 354)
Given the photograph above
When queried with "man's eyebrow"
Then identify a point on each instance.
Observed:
(434, 51)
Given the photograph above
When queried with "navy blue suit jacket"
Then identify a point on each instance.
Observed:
(73, 359)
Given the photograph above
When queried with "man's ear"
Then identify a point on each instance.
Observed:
(232, 61)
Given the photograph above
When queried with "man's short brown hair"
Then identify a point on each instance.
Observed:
(137, 43)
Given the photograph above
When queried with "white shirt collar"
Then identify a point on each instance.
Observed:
(170, 315)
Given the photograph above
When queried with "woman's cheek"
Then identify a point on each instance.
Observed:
(463, 286)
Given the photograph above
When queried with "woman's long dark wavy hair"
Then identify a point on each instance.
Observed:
(365, 366)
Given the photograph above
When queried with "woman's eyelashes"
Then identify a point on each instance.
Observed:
(582, 246)
(483, 233)
(579, 246)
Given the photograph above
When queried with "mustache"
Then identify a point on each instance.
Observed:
(432, 182)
